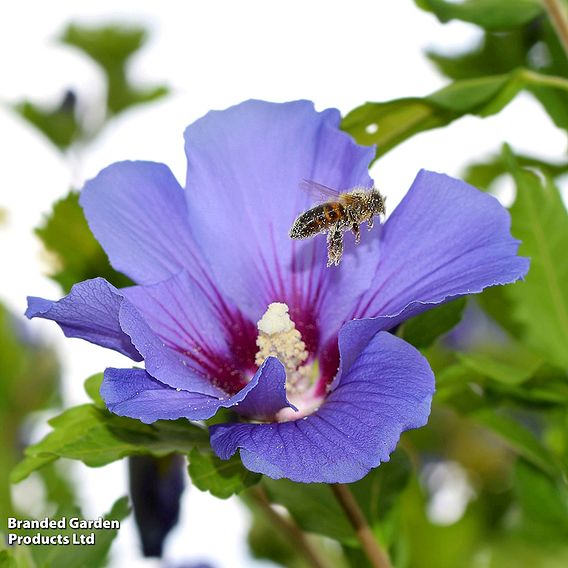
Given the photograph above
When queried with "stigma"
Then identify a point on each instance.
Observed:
(278, 337)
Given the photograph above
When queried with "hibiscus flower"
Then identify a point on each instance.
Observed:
(229, 312)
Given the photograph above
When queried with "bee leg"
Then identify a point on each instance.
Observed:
(370, 223)
(334, 246)
(356, 232)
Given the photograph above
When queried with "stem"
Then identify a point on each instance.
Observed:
(376, 555)
(287, 526)
(559, 20)
(543, 80)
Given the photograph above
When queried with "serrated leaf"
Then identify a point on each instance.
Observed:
(97, 437)
(111, 47)
(58, 124)
(422, 330)
(490, 14)
(540, 303)
(222, 478)
(66, 234)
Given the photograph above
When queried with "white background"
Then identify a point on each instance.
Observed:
(214, 54)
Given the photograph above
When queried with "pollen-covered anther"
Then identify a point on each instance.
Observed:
(278, 337)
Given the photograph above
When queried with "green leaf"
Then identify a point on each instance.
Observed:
(496, 54)
(425, 328)
(58, 124)
(79, 256)
(222, 478)
(111, 47)
(540, 302)
(490, 14)
(97, 437)
(93, 389)
(519, 439)
(390, 123)
(534, 45)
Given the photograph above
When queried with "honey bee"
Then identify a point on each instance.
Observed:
(343, 211)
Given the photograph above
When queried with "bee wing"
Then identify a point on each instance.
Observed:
(319, 191)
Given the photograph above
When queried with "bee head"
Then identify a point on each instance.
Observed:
(376, 203)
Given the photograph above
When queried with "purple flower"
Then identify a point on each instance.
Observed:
(323, 390)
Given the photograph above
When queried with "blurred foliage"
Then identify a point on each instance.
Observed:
(540, 303)
(425, 328)
(71, 556)
(78, 254)
(495, 15)
(29, 382)
(110, 48)
(59, 124)
(315, 509)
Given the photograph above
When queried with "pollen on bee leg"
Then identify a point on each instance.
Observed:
(278, 337)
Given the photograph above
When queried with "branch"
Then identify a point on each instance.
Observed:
(376, 555)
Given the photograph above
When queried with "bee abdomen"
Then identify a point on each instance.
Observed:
(316, 220)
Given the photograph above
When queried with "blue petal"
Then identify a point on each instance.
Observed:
(244, 169)
(136, 394)
(137, 212)
(387, 390)
(269, 396)
(91, 312)
(198, 330)
(445, 239)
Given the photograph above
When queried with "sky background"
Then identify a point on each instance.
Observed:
(213, 55)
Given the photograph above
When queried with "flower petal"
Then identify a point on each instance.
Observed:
(137, 212)
(198, 331)
(90, 311)
(269, 396)
(161, 362)
(244, 169)
(387, 390)
(445, 239)
(136, 394)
